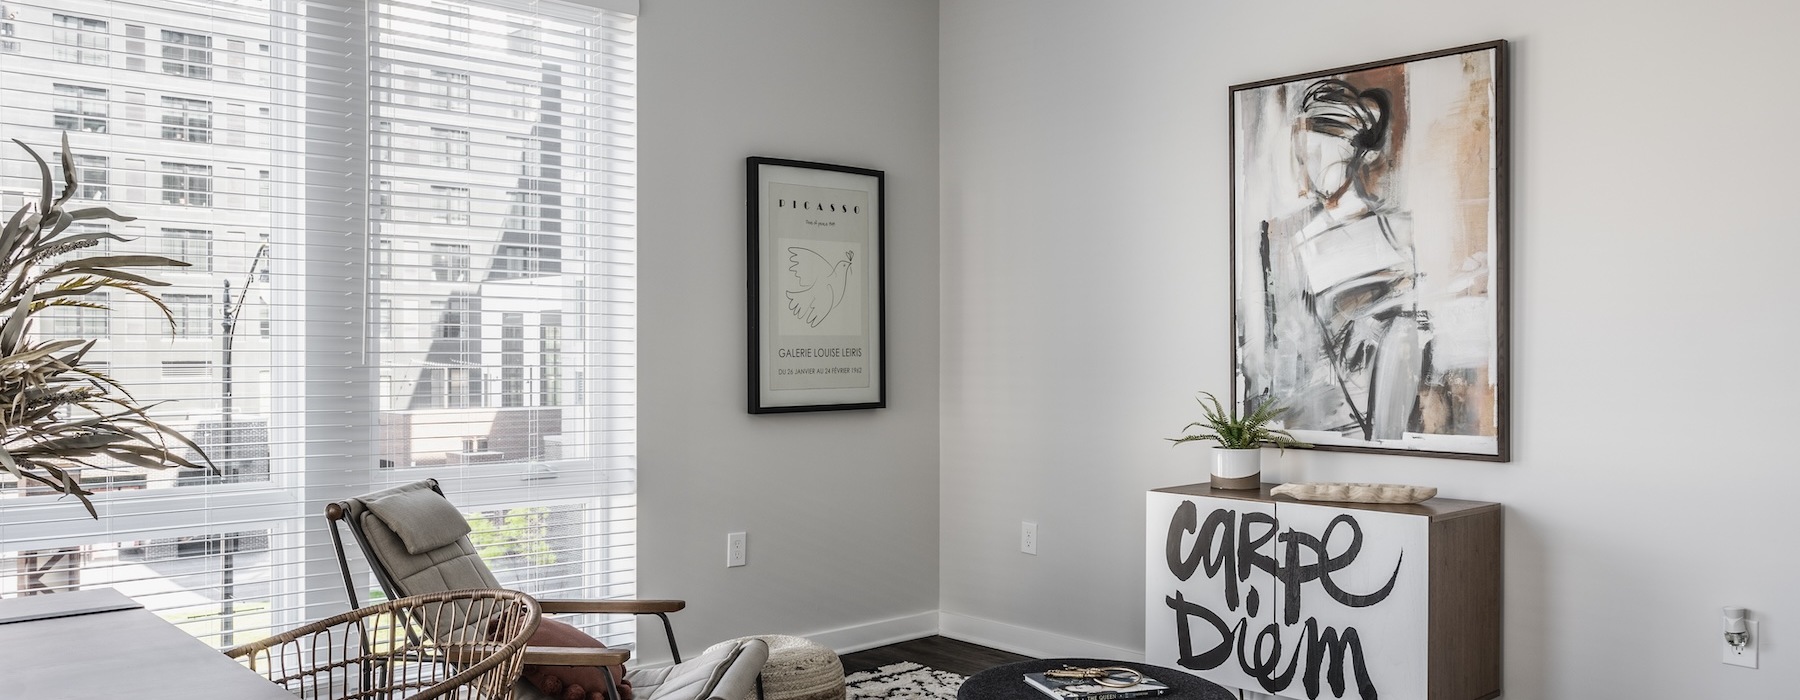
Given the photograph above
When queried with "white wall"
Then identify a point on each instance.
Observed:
(1085, 300)
(840, 506)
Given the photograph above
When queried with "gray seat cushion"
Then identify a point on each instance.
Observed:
(726, 671)
(423, 519)
(449, 567)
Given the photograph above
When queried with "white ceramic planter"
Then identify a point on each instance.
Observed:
(1236, 469)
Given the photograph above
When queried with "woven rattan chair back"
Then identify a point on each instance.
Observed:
(456, 644)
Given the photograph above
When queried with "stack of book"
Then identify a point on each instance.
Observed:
(1086, 689)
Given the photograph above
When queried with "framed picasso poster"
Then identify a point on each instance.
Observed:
(816, 312)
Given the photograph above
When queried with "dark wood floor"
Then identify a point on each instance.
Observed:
(941, 653)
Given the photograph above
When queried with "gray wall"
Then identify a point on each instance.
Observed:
(1085, 300)
(841, 507)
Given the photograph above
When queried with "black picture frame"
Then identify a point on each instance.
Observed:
(817, 313)
(1370, 256)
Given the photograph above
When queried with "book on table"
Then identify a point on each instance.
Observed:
(1087, 689)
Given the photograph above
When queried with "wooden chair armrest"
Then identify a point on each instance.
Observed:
(575, 656)
(636, 607)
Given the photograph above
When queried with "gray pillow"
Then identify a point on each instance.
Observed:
(423, 519)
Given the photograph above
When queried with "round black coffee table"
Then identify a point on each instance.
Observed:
(1008, 682)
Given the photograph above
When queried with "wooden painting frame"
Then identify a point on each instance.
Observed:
(1369, 253)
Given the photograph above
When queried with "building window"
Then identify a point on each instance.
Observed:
(79, 108)
(187, 119)
(450, 84)
(187, 55)
(192, 246)
(450, 262)
(187, 184)
(512, 360)
(86, 322)
(186, 368)
(7, 15)
(383, 263)
(451, 387)
(86, 24)
(384, 318)
(79, 39)
(457, 319)
(91, 175)
(193, 314)
(550, 359)
(449, 205)
(356, 303)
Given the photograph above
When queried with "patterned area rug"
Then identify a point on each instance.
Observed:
(903, 681)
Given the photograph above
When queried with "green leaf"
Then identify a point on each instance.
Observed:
(1235, 430)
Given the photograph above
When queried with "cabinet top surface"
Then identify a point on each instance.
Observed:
(1434, 508)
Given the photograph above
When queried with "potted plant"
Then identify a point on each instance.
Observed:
(57, 415)
(1237, 460)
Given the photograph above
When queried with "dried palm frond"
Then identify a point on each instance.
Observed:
(57, 416)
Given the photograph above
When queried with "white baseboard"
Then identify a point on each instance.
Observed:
(879, 633)
(1025, 640)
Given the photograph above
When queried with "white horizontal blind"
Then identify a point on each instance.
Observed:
(337, 318)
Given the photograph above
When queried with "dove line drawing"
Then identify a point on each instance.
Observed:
(818, 284)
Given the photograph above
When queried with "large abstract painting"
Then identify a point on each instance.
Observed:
(1369, 253)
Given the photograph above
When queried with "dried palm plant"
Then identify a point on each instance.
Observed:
(60, 417)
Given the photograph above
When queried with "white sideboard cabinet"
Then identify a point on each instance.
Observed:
(1325, 600)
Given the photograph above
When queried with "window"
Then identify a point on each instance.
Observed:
(187, 55)
(91, 176)
(192, 246)
(187, 183)
(450, 387)
(550, 354)
(85, 322)
(7, 30)
(87, 24)
(187, 119)
(450, 262)
(193, 314)
(392, 330)
(381, 263)
(384, 317)
(186, 368)
(450, 205)
(512, 360)
(78, 40)
(454, 144)
(79, 108)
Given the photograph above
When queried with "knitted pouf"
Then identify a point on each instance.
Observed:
(800, 669)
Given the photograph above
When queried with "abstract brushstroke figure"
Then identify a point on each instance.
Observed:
(1347, 343)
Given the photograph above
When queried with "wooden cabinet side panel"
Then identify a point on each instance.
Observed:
(1466, 594)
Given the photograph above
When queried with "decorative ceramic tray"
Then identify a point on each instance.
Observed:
(1356, 493)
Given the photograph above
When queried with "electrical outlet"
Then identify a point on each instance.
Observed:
(1028, 538)
(735, 546)
(1746, 655)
